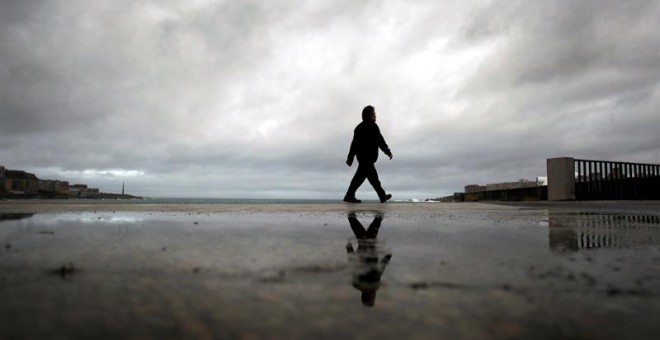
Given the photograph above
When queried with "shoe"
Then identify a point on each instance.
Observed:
(385, 198)
(351, 200)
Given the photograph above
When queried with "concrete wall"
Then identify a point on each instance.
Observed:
(520, 194)
(561, 179)
(474, 188)
(523, 183)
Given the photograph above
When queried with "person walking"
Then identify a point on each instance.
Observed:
(367, 139)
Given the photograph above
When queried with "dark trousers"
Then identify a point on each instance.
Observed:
(361, 233)
(364, 171)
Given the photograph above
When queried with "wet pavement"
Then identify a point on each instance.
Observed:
(444, 271)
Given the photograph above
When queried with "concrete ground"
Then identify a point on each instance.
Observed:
(534, 270)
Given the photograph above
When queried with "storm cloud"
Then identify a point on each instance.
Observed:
(259, 98)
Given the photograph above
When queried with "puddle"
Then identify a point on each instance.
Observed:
(14, 216)
(584, 231)
(329, 273)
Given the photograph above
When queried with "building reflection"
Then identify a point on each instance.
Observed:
(369, 259)
(14, 216)
(582, 231)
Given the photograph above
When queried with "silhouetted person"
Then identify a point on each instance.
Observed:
(366, 142)
(369, 269)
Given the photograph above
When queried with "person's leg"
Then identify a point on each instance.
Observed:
(372, 232)
(356, 226)
(372, 176)
(356, 182)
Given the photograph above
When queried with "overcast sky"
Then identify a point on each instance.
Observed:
(260, 98)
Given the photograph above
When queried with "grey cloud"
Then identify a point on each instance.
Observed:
(586, 63)
(239, 97)
(563, 40)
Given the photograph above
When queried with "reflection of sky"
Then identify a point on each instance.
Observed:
(544, 219)
(55, 218)
(104, 219)
(53, 230)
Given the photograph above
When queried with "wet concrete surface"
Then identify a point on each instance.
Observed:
(443, 271)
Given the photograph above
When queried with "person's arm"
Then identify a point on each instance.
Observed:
(382, 145)
(352, 151)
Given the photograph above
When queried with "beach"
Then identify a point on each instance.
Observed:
(90, 269)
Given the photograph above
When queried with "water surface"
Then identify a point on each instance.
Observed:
(463, 274)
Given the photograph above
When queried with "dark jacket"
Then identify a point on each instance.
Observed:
(366, 142)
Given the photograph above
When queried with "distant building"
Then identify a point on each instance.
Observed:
(18, 183)
(21, 182)
(93, 192)
(49, 186)
(82, 191)
(3, 180)
(64, 187)
(77, 189)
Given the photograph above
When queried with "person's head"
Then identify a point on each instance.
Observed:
(369, 113)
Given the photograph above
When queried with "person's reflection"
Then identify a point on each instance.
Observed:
(368, 260)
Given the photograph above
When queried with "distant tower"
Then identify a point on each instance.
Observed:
(122, 188)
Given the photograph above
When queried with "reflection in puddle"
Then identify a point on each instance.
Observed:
(111, 219)
(14, 216)
(584, 231)
(75, 217)
(369, 259)
(89, 218)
